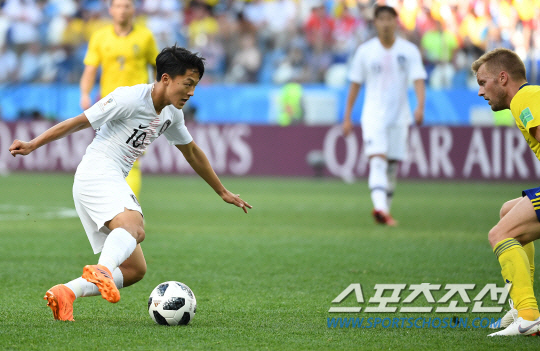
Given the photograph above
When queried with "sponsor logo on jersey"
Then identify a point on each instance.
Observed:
(526, 116)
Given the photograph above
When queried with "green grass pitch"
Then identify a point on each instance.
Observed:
(264, 280)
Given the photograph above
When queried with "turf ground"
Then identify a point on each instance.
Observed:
(264, 280)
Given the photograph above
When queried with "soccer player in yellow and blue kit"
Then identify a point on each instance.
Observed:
(501, 75)
(124, 51)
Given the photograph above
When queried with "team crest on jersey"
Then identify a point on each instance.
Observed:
(402, 62)
(136, 49)
(164, 127)
(106, 103)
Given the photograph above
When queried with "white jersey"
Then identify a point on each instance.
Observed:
(386, 74)
(126, 122)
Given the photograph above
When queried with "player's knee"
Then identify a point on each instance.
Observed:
(506, 207)
(136, 231)
(133, 273)
(495, 236)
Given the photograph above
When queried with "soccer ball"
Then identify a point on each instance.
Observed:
(172, 303)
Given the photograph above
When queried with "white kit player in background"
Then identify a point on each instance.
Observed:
(386, 65)
(126, 121)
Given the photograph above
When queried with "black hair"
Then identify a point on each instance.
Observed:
(383, 8)
(175, 61)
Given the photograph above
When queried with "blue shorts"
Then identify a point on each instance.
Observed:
(533, 195)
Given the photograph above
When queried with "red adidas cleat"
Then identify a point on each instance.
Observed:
(102, 277)
(384, 218)
(60, 299)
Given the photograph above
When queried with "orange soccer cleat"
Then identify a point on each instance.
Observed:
(102, 277)
(60, 299)
(384, 218)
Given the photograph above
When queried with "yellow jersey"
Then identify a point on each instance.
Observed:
(525, 107)
(123, 60)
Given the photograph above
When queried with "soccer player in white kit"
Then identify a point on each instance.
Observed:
(385, 64)
(126, 122)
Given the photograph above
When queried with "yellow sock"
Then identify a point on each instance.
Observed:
(515, 269)
(529, 314)
(529, 250)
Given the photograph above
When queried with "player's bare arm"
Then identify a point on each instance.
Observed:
(200, 164)
(354, 89)
(86, 84)
(420, 90)
(58, 131)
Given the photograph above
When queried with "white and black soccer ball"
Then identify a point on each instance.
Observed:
(172, 303)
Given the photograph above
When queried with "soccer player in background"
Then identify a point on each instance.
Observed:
(124, 51)
(501, 75)
(385, 64)
(126, 122)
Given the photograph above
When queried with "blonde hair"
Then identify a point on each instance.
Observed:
(501, 59)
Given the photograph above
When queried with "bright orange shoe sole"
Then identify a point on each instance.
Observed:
(60, 302)
(102, 277)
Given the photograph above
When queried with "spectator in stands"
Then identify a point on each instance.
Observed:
(319, 26)
(201, 25)
(280, 18)
(9, 64)
(209, 25)
(29, 67)
(439, 46)
(214, 59)
(164, 19)
(25, 16)
(246, 62)
(294, 66)
(345, 34)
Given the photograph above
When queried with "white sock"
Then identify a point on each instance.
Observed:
(392, 181)
(378, 183)
(81, 287)
(118, 246)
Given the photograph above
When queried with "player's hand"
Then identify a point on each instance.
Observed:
(347, 127)
(236, 200)
(86, 101)
(20, 148)
(419, 116)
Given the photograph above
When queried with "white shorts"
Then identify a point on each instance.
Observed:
(390, 141)
(98, 199)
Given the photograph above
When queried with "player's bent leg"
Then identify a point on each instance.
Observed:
(134, 268)
(127, 229)
(520, 223)
(519, 226)
(60, 299)
(131, 221)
